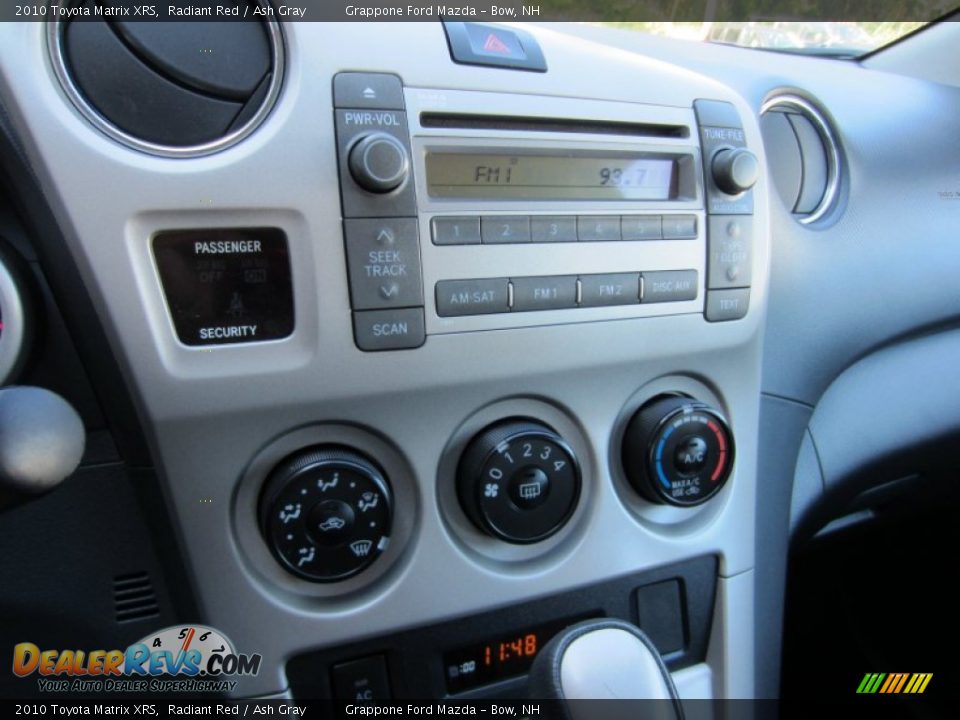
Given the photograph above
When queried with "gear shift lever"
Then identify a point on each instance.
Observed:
(41, 441)
(604, 660)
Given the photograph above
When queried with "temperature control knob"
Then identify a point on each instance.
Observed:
(379, 162)
(677, 451)
(327, 513)
(735, 170)
(518, 481)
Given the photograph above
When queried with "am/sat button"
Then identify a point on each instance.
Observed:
(472, 297)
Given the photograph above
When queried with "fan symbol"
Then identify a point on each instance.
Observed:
(491, 490)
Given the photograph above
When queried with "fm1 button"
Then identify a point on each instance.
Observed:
(330, 522)
(529, 488)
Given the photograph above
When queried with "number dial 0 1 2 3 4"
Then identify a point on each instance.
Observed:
(519, 481)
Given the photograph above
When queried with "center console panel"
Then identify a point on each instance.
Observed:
(441, 322)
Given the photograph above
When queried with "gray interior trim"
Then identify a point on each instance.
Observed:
(863, 434)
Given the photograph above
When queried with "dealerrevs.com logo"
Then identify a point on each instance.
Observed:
(194, 658)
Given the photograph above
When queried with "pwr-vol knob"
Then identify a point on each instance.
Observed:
(379, 162)
(327, 513)
(518, 480)
(677, 451)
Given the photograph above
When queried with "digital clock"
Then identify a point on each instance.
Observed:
(499, 658)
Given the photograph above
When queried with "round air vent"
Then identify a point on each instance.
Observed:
(803, 155)
(177, 89)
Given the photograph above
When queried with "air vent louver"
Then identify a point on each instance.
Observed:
(134, 598)
(170, 88)
(803, 156)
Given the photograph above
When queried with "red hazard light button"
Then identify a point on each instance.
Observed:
(495, 46)
(486, 40)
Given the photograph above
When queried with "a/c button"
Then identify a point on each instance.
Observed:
(363, 680)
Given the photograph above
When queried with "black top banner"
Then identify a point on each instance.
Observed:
(478, 10)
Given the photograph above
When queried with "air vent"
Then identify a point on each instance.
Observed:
(177, 89)
(134, 598)
(803, 156)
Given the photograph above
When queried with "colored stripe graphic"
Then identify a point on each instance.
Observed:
(894, 683)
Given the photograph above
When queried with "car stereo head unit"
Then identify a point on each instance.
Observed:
(472, 211)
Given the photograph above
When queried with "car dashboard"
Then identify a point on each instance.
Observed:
(453, 334)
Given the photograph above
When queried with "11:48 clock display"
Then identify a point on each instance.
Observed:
(498, 658)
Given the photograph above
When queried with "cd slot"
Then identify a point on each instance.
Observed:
(459, 121)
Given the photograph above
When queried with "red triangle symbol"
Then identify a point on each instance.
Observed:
(495, 44)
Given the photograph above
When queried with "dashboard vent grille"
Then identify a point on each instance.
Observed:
(175, 89)
(803, 155)
(134, 598)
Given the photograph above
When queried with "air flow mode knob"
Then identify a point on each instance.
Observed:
(735, 170)
(677, 451)
(327, 513)
(379, 162)
(518, 481)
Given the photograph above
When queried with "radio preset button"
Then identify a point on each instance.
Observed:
(598, 228)
(501, 229)
(544, 293)
(559, 228)
(669, 286)
(723, 305)
(389, 329)
(613, 289)
(455, 230)
(472, 297)
(641, 227)
(730, 254)
(679, 227)
(383, 259)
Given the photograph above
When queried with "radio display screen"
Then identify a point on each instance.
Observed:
(550, 177)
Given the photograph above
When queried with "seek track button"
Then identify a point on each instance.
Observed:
(383, 259)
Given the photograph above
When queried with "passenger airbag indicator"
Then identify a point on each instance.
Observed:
(226, 285)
